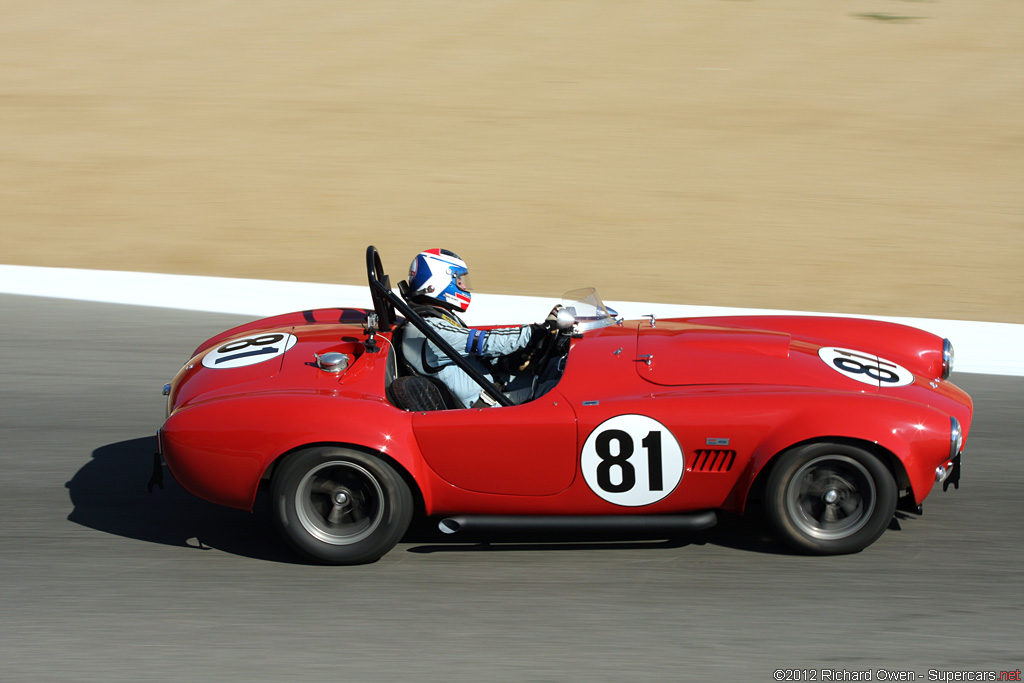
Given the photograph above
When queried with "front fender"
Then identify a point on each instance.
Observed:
(919, 351)
(918, 436)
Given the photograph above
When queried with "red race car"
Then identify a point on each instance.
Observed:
(651, 425)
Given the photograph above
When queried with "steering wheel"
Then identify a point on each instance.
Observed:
(531, 359)
(556, 344)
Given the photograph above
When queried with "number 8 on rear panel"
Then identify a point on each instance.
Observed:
(632, 460)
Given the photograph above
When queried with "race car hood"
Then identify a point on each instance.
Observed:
(805, 352)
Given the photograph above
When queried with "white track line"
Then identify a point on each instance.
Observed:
(981, 347)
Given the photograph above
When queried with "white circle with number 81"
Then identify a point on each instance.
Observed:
(866, 367)
(249, 350)
(632, 460)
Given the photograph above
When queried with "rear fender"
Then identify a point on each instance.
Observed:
(248, 444)
(398, 465)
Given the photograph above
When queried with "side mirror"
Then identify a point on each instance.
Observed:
(565, 319)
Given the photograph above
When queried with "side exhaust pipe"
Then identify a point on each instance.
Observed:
(697, 521)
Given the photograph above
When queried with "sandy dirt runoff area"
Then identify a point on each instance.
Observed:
(849, 156)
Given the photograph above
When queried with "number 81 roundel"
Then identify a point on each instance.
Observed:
(632, 460)
(249, 350)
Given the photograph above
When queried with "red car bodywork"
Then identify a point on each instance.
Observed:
(733, 391)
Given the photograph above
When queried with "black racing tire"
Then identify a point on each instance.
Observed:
(340, 506)
(829, 498)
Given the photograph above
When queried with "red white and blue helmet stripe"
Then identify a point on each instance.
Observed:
(440, 274)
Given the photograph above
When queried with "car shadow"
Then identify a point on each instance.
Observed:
(748, 533)
(109, 494)
(427, 541)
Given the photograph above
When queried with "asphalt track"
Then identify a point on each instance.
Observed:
(101, 581)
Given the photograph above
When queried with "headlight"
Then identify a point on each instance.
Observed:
(947, 358)
(956, 437)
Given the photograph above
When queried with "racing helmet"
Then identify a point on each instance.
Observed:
(440, 277)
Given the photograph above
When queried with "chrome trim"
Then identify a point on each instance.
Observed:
(564, 320)
(333, 361)
(944, 471)
(948, 356)
(956, 437)
(952, 474)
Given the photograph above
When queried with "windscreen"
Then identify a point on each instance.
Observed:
(589, 310)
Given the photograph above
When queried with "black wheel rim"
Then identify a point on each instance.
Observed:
(339, 502)
(831, 497)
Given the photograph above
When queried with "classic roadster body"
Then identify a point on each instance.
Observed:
(654, 424)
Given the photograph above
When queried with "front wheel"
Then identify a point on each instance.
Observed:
(830, 499)
(340, 506)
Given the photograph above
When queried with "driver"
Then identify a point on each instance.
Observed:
(439, 286)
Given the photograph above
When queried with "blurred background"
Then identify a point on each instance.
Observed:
(855, 156)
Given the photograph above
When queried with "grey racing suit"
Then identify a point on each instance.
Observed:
(477, 346)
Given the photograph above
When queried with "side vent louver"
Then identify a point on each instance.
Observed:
(714, 461)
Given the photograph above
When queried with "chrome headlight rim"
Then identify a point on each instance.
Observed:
(948, 357)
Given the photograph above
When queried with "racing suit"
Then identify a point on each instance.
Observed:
(477, 346)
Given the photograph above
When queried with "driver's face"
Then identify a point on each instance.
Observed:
(462, 281)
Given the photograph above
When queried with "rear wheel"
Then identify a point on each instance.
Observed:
(340, 506)
(830, 499)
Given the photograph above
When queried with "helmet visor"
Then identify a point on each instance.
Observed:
(460, 278)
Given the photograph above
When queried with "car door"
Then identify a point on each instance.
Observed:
(527, 450)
